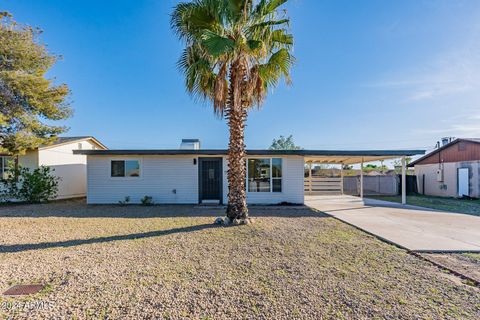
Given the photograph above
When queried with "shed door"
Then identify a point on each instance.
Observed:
(463, 185)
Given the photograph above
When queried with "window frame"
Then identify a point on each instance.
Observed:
(247, 184)
(4, 166)
(125, 177)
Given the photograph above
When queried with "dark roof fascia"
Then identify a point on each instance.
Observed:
(413, 163)
(366, 153)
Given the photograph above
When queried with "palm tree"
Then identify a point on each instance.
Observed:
(235, 50)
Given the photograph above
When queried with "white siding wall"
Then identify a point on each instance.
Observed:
(71, 168)
(161, 175)
(166, 179)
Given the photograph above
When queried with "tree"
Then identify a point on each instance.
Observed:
(27, 97)
(397, 164)
(283, 143)
(235, 50)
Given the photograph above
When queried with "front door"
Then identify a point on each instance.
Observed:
(210, 180)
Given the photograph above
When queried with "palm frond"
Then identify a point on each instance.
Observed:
(277, 66)
(215, 44)
(254, 44)
(281, 36)
(198, 71)
(238, 9)
(190, 19)
(272, 5)
(264, 7)
(269, 23)
(220, 91)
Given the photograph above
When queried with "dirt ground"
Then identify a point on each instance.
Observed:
(467, 264)
(172, 262)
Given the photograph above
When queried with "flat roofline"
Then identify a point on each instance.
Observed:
(256, 152)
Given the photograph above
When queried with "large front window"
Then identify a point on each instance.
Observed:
(264, 175)
(125, 168)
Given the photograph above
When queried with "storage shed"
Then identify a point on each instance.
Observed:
(450, 171)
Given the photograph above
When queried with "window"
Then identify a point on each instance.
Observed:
(264, 175)
(125, 168)
(80, 146)
(462, 146)
(5, 163)
(277, 175)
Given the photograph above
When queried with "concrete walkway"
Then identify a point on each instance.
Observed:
(415, 228)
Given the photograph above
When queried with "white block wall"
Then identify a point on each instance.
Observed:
(174, 179)
(449, 183)
(71, 168)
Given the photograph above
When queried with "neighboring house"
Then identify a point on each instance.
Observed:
(451, 170)
(191, 175)
(70, 167)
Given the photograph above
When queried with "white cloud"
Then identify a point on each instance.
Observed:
(449, 73)
(454, 73)
(466, 125)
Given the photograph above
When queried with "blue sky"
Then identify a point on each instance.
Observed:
(369, 74)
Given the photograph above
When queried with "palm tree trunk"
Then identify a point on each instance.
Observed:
(236, 117)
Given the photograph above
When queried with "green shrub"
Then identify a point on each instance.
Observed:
(147, 201)
(125, 201)
(36, 186)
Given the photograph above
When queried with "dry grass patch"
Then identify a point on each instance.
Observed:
(171, 262)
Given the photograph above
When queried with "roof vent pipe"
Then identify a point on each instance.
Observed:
(446, 140)
(190, 144)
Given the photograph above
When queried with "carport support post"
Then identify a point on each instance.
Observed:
(341, 176)
(361, 179)
(404, 181)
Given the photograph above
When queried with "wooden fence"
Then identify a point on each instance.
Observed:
(323, 186)
(372, 185)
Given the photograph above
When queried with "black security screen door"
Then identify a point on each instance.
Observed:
(210, 179)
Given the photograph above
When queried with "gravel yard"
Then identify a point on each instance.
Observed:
(171, 262)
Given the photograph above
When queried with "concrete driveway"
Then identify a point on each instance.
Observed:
(414, 228)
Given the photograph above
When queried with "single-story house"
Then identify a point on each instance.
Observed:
(191, 175)
(451, 170)
(69, 167)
